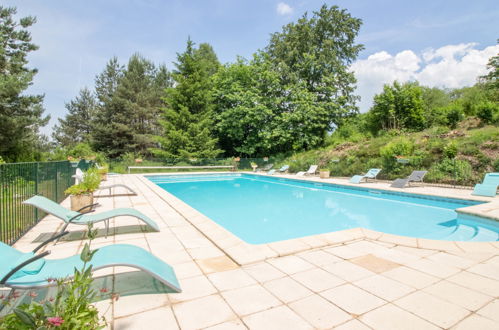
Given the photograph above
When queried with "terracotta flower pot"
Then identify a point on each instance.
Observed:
(324, 174)
(79, 201)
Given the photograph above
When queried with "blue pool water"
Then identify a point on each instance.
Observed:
(267, 209)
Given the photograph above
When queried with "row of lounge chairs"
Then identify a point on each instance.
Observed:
(31, 270)
(487, 188)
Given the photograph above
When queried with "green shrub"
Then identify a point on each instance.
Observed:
(450, 150)
(451, 171)
(495, 165)
(81, 151)
(454, 115)
(486, 111)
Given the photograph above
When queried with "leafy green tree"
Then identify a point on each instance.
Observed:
(76, 127)
(187, 115)
(399, 106)
(491, 79)
(21, 115)
(257, 114)
(317, 53)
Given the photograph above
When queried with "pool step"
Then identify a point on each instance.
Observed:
(485, 234)
(462, 233)
(472, 233)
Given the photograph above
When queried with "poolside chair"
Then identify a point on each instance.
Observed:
(488, 187)
(79, 177)
(311, 171)
(416, 176)
(30, 271)
(266, 168)
(284, 169)
(371, 174)
(271, 172)
(78, 218)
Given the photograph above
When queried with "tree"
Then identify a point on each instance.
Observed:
(317, 52)
(76, 127)
(491, 79)
(186, 121)
(400, 106)
(107, 133)
(257, 114)
(21, 115)
(129, 106)
(139, 93)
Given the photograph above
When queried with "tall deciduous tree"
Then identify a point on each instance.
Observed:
(491, 79)
(76, 127)
(186, 121)
(21, 115)
(317, 52)
(399, 106)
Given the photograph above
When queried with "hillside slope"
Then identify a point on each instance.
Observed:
(460, 156)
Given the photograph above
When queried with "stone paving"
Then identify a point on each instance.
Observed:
(359, 283)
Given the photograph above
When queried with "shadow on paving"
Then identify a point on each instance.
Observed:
(119, 285)
(101, 232)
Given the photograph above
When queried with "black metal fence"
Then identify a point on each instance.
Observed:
(20, 181)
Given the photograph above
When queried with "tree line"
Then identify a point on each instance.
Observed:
(287, 97)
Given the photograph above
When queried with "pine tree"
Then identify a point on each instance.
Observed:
(21, 115)
(139, 91)
(107, 133)
(186, 121)
(76, 127)
(129, 106)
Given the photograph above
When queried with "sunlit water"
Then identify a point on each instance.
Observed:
(267, 209)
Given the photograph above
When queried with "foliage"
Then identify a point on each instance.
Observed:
(187, 115)
(488, 112)
(1, 160)
(491, 79)
(459, 156)
(21, 114)
(89, 184)
(316, 53)
(400, 106)
(81, 151)
(71, 308)
(129, 99)
(76, 127)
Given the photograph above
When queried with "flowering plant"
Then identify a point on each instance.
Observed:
(71, 308)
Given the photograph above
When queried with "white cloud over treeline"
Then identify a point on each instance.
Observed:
(284, 9)
(451, 66)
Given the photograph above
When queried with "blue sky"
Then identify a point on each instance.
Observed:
(440, 43)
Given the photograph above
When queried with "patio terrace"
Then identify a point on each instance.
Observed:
(356, 279)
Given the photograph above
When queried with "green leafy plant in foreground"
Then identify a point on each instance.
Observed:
(89, 184)
(70, 309)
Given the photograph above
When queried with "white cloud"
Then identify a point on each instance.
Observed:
(284, 9)
(451, 66)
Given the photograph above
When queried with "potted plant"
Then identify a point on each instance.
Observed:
(254, 166)
(82, 194)
(324, 173)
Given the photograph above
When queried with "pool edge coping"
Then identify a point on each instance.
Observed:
(244, 253)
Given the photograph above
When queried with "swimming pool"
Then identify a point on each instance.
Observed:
(261, 209)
